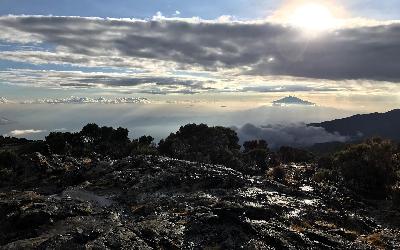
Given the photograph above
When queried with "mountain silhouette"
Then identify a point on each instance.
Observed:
(291, 100)
(385, 125)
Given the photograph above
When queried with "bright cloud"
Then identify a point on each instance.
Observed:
(24, 132)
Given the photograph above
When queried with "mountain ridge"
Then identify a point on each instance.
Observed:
(365, 125)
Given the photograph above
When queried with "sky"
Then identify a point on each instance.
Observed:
(236, 54)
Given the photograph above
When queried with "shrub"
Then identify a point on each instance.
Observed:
(34, 146)
(255, 144)
(256, 153)
(5, 176)
(8, 160)
(57, 142)
(325, 162)
(289, 154)
(325, 175)
(92, 133)
(201, 143)
(368, 168)
(144, 145)
(11, 140)
(396, 196)
(92, 139)
(277, 173)
(273, 159)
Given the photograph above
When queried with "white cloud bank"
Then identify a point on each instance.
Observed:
(24, 132)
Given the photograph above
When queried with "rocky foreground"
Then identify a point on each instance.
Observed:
(149, 202)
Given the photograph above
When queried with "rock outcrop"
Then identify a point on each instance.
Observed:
(151, 202)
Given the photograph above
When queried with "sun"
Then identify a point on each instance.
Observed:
(312, 16)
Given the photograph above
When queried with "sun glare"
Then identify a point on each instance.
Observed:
(312, 17)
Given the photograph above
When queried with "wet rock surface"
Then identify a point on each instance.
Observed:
(149, 202)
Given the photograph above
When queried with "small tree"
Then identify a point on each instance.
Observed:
(120, 136)
(91, 133)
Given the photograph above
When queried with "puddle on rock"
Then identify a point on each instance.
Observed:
(83, 195)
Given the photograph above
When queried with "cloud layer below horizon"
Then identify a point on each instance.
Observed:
(299, 135)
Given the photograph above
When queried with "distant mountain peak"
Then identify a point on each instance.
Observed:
(291, 100)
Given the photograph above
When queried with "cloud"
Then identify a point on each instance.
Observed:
(134, 81)
(88, 100)
(137, 82)
(298, 135)
(5, 121)
(260, 89)
(24, 132)
(182, 82)
(287, 88)
(4, 100)
(80, 100)
(246, 47)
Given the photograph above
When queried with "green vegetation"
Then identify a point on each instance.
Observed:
(8, 159)
(289, 154)
(371, 168)
(256, 155)
(92, 139)
(201, 143)
(144, 145)
(277, 173)
(8, 162)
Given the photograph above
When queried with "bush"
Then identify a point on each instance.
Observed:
(5, 176)
(289, 154)
(277, 173)
(8, 160)
(325, 162)
(325, 175)
(92, 139)
(217, 145)
(11, 140)
(57, 142)
(254, 145)
(396, 196)
(368, 168)
(256, 153)
(144, 145)
(34, 146)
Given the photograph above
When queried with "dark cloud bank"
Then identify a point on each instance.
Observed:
(351, 53)
(299, 135)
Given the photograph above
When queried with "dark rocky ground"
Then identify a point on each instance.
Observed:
(146, 202)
